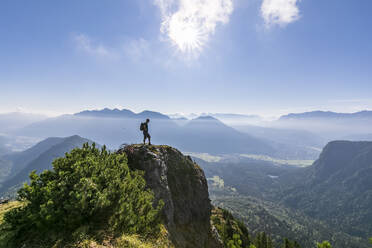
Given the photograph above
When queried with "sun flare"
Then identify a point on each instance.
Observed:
(189, 24)
(186, 36)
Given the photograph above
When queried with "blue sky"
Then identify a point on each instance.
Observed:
(264, 57)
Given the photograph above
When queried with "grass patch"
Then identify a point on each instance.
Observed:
(8, 206)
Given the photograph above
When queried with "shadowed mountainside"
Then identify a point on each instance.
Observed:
(38, 158)
(336, 188)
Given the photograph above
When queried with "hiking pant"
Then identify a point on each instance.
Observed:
(146, 135)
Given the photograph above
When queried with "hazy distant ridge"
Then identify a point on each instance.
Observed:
(327, 115)
(124, 113)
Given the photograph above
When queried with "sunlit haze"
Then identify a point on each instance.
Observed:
(267, 57)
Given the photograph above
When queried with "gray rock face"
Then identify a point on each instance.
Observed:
(181, 184)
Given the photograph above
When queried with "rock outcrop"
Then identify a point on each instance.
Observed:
(181, 184)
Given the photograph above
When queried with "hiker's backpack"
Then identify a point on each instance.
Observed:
(142, 127)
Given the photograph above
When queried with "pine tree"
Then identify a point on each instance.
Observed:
(270, 243)
(296, 245)
(290, 244)
(258, 241)
(262, 240)
(287, 243)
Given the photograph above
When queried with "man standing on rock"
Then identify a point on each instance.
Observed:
(145, 129)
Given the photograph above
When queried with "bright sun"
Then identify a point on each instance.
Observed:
(189, 24)
(186, 36)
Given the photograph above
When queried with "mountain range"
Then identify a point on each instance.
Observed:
(124, 113)
(330, 125)
(327, 115)
(294, 136)
(115, 127)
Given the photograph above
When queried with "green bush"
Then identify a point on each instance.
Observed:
(88, 190)
(324, 244)
(235, 242)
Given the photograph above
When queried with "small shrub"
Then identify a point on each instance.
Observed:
(324, 244)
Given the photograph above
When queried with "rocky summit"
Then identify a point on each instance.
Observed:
(181, 184)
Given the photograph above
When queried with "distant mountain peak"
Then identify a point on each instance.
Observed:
(205, 118)
(106, 112)
(152, 114)
(123, 113)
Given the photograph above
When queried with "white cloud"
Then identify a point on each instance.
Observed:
(85, 44)
(188, 24)
(279, 12)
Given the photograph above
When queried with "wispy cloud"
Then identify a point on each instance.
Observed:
(86, 44)
(189, 24)
(128, 49)
(279, 12)
(137, 49)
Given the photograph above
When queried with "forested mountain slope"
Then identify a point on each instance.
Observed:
(336, 188)
(336, 191)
